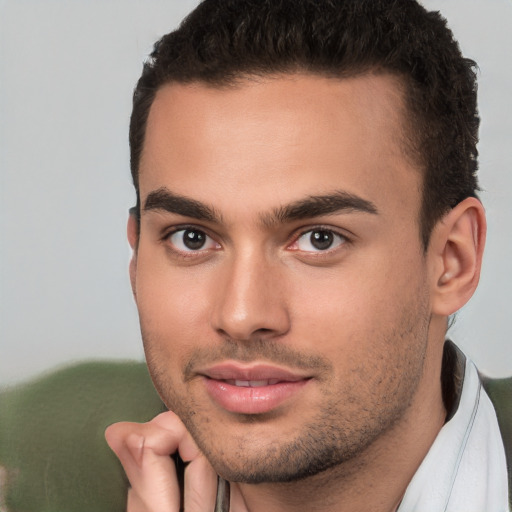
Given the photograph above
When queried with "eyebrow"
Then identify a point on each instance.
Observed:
(164, 200)
(309, 207)
(316, 206)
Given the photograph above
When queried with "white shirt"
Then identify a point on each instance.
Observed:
(465, 469)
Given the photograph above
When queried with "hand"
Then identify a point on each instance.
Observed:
(144, 450)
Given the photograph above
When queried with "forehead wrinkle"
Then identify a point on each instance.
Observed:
(318, 205)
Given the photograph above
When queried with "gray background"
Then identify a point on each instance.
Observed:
(67, 70)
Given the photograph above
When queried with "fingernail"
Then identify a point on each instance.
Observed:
(135, 445)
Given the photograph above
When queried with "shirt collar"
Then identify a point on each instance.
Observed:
(465, 468)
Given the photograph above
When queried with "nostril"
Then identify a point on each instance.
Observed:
(263, 330)
(247, 308)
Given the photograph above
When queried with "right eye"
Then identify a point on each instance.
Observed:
(191, 240)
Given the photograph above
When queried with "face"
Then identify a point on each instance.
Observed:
(279, 274)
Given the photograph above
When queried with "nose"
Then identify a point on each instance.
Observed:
(251, 301)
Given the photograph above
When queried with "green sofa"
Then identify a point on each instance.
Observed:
(52, 444)
(52, 447)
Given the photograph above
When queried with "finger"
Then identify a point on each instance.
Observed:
(144, 450)
(164, 433)
(149, 469)
(134, 503)
(200, 486)
(187, 446)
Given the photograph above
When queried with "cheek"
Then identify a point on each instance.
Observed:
(350, 311)
(170, 321)
(172, 311)
(165, 293)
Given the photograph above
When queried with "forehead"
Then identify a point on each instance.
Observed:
(274, 140)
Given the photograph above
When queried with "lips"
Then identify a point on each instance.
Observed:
(255, 389)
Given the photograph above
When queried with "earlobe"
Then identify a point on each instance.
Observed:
(457, 249)
(133, 239)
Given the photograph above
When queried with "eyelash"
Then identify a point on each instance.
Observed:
(344, 240)
(184, 253)
(295, 238)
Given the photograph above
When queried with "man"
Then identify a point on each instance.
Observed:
(306, 223)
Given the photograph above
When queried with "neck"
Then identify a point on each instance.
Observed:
(377, 478)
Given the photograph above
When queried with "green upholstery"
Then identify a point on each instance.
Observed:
(52, 437)
(52, 443)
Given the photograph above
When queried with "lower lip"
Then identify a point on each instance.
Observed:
(252, 400)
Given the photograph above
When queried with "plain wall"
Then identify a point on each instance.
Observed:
(67, 71)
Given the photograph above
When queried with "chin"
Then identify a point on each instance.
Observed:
(256, 458)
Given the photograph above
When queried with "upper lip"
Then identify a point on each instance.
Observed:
(251, 372)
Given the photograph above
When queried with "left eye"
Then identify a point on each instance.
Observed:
(187, 240)
(317, 240)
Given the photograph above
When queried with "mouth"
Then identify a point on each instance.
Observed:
(255, 389)
(252, 383)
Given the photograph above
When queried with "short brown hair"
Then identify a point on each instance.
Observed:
(224, 40)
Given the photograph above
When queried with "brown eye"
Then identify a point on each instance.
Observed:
(189, 239)
(317, 240)
(321, 240)
(193, 240)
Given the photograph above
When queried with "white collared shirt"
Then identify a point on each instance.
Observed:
(465, 469)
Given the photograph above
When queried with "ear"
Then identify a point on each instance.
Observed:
(133, 239)
(456, 249)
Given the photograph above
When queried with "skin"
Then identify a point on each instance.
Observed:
(363, 319)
